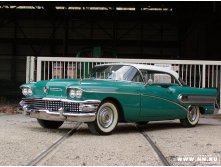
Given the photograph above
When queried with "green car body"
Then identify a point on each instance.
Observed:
(135, 98)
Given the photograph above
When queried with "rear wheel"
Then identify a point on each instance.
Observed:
(106, 119)
(50, 124)
(192, 118)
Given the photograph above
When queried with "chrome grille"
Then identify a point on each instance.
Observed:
(51, 105)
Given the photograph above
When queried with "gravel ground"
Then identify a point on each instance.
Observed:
(124, 147)
(177, 142)
(22, 139)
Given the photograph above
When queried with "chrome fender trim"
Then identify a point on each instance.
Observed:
(197, 99)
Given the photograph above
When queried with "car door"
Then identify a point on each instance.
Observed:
(158, 98)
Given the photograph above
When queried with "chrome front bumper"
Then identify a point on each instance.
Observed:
(86, 110)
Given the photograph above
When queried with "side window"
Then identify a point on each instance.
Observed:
(158, 77)
(162, 78)
(133, 75)
(137, 77)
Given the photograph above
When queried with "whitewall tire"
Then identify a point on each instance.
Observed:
(192, 117)
(106, 119)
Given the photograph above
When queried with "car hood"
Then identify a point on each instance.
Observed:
(58, 87)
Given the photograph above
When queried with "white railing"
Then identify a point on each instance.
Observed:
(202, 74)
(30, 69)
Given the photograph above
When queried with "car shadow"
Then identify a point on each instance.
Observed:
(124, 128)
(155, 126)
(159, 126)
(40, 129)
(128, 128)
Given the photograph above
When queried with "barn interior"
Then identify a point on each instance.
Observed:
(144, 30)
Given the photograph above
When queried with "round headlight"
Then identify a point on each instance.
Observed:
(25, 91)
(29, 91)
(79, 93)
(75, 92)
(72, 93)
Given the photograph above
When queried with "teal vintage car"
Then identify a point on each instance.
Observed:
(117, 93)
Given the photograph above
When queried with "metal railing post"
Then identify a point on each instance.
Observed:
(219, 112)
(204, 76)
(32, 69)
(38, 69)
(28, 59)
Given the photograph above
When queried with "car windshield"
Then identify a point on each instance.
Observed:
(116, 72)
(182, 82)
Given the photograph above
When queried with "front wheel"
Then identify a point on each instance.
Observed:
(192, 118)
(106, 119)
(50, 124)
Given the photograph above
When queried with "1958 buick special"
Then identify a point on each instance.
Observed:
(117, 93)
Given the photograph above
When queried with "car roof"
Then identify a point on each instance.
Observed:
(148, 67)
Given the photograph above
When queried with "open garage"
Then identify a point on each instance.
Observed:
(142, 30)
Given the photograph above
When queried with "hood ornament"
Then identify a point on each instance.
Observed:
(45, 89)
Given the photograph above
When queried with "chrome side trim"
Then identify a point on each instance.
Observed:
(197, 99)
(170, 101)
(75, 87)
(119, 93)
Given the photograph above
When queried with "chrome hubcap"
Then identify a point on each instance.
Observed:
(192, 114)
(105, 117)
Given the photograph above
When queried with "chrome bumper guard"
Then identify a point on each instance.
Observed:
(87, 111)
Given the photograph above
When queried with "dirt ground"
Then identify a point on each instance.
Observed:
(10, 108)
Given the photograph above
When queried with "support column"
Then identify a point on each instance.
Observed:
(65, 40)
(14, 53)
(52, 45)
(141, 39)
